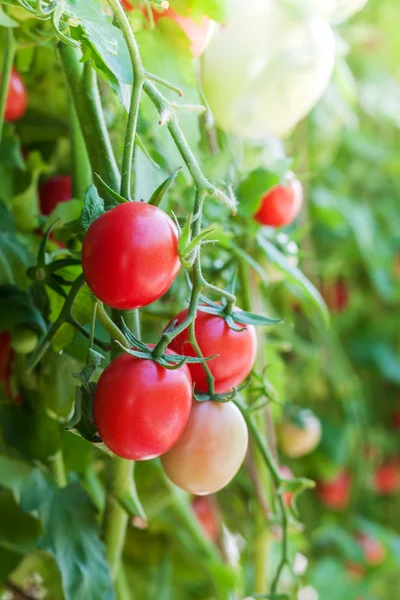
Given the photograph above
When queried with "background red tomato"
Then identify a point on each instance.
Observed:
(373, 550)
(207, 513)
(130, 255)
(53, 191)
(281, 205)
(387, 477)
(17, 98)
(335, 493)
(141, 408)
(236, 351)
(210, 451)
(286, 473)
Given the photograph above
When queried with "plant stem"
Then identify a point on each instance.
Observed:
(112, 329)
(82, 84)
(57, 467)
(81, 169)
(8, 59)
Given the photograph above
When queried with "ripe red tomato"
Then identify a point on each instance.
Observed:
(281, 205)
(208, 516)
(373, 550)
(211, 449)
(335, 493)
(130, 255)
(236, 351)
(387, 477)
(286, 473)
(53, 191)
(336, 295)
(141, 408)
(17, 99)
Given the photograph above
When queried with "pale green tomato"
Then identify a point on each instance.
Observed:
(297, 439)
(267, 67)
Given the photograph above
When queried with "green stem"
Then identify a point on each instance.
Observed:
(112, 329)
(57, 467)
(81, 169)
(8, 59)
(82, 84)
(138, 81)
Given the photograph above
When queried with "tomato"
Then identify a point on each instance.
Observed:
(24, 340)
(286, 473)
(267, 67)
(373, 550)
(208, 516)
(141, 408)
(387, 477)
(299, 439)
(281, 205)
(335, 493)
(53, 191)
(199, 34)
(211, 449)
(130, 255)
(336, 295)
(127, 5)
(17, 99)
(236, 351)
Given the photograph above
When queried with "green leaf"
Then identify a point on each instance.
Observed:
(162, 189)
(71, 535)
(214, 9)
(18, 531)
(82, 308)
(8, 562)
(251, 189)
(106, 188)
(57, 384)
(247, 318)
(13, 472)
(6, 21)
(63, 337)
(295, 276)
(25, 205)
(16, 308)
(93, 207)
(10, 151)
(15, 257)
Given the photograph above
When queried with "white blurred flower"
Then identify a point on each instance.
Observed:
(233, 544)
(300, 564)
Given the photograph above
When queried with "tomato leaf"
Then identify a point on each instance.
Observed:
(162, 189)
(117, 197)
(295, 276)
(16, 308)
(248, 318)
(18, 531)
(93, 207)
(71, 535)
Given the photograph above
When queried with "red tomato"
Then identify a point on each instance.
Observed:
(373, 550)
(281, 205)
(53, 191)
(130, 255)
(236, 351)
(336, 295)
(199, 34)
(211, 449)
(17, 100)
(387, 478)
(335, 493)
(208, 516)
(286, 473)
(141, 408)
(127, 5)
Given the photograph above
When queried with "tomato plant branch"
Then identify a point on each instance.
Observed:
(81, 170)
(112, 329)
(57, 467)
(8, 59)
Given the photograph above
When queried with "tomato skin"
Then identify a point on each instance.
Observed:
(17, 99)
(387, 478)
(53, 191)
(236, 351)
(286, 473)
(207, 514)
(373, 550)
(281, 205)
(335, 493)
(141, 408)
(296, 441)
(211, 449)
(130, 255)
(24, 340)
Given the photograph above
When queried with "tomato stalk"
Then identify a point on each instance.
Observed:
(57, 467)
(81, 170)
(8, 59)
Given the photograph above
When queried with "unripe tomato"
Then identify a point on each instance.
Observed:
(17, 99)
(198, 33)
(300, 436)
(141, 408)
(236, 351)
(281, 205)
(24, 340)
(286, 473)
(267, 67)
(211, 449)
(53, 191)
(130, 255)
(335, 493)
(373, 550)
(208, 516)
(387, 477)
